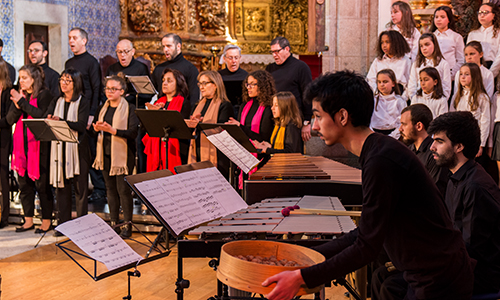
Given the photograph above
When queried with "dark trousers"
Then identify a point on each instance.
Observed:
(388, 285)
(141, 156)
(95, 175)
(118, 193)
(27, 188)
(4, 185)
(64, 195)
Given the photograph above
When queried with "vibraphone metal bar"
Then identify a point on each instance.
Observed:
(263, 220)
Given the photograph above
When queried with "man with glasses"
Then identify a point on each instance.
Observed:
(293, 75)
(88, 66)
(128, 65)
(172, 48)
(37, 53)
(233, 76)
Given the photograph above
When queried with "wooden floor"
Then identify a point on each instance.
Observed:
(48, 273)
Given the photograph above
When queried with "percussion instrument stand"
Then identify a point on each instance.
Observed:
(348, 287)
(134, 273)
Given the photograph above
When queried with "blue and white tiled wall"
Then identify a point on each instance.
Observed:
(101, 19)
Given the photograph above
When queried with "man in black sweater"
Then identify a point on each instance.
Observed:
(128, 65)
(293, 75)
(12, 70)
(172, 47)
(472, 196)
(37, 53)
(403, 211)
(88, 66)
(233, 76)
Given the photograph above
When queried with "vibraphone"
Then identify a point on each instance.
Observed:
(293, 174)
(263, 220)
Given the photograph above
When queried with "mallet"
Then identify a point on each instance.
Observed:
(296, 210)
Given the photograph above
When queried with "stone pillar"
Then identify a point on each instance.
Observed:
(351, 35)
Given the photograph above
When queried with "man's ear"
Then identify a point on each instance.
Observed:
(459, 147)
(419, 126)
(344, 116)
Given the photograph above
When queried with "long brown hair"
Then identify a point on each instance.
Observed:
(496, 19)
(449, 15)
(35, 72)
(437, 56)
(408, 24)
(181, 87)
(395, 89)
(437, 93)
(4, 75)
(289, 110)
(265, 86)
(476, 87)
(215, 78)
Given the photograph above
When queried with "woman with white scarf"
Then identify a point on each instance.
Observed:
(70, 162)
(116, 128)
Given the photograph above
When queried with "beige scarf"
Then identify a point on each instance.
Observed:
(71, 156)
(207, 150)
(118, 144)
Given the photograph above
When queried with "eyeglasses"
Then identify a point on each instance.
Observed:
(483, 12)
(111, 90)
(121, 52)
(250, 85)
(204, 83)
(33, 51)
(65, 81)
(232, 57)
(276, 51)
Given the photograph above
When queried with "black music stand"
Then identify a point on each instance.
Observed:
(51, 130)
(164, 124)
(238, 134)
(142, 85)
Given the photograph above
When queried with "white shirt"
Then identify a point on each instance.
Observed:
(497, 107)
(452, 48)
(488, 81)
(482, 113)
(387, 114)
(490, 46)
(437, 106)
(400, 66)
(412, 41)
(444, 72)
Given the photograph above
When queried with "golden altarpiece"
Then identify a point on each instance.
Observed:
(206, 26)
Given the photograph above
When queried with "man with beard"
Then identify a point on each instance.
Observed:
(472, 196)
(233, 76)
(37, 53)
(172, 48)
(415, 120)
(403, 211)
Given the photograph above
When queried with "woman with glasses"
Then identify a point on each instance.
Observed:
(30, 158)
(70, 162)
(214, 107)
(116, 128)
(175, 97)
(486, 31)
(255, 117)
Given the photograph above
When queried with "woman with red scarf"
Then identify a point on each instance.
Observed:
(30, 158)
(175, 97)
(255, 117)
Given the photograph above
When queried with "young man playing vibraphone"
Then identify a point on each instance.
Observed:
(403, 211)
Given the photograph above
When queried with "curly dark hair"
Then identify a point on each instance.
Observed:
(496, 20)
(265, 86)
(399, 46)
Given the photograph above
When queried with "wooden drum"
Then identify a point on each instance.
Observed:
(248, 276)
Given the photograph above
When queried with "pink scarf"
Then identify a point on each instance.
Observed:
(255, 125)
(21, 163)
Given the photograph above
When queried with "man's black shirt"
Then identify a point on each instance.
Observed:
(51, 79)
(233, 82)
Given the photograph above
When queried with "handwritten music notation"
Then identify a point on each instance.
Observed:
(189, 199)
(233, 150)
(99, 241)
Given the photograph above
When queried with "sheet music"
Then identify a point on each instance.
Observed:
(61, 130)
(233, 150)
(96, 238)
(142, 84)
(191, 198)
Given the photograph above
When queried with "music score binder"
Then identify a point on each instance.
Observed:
(142, 84)
(50, 130)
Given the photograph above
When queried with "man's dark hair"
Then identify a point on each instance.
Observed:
(461, 128)
(343, 89)
(82, 32)
(44, 45)
(177, 39)
(1, 43)
(419, 113)
(282, 41)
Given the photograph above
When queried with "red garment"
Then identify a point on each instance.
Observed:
(152, 144)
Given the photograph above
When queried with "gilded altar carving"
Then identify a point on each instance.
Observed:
(145, 15)
(290, 21)
(193, 24)
(212, 17)
(177, 14)
(255, 19)
(123, 14)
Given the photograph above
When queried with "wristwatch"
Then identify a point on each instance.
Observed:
(306, 122)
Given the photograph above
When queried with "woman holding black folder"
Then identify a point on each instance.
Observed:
(70, 162)
(30, 158)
